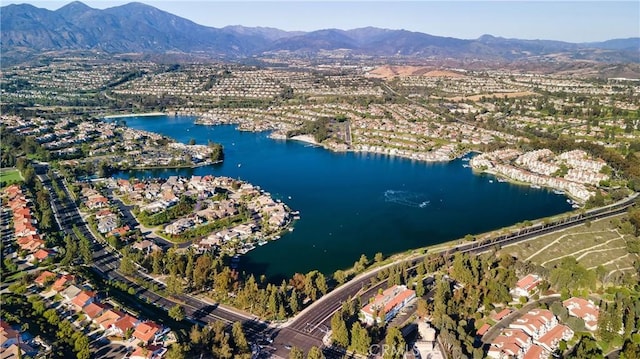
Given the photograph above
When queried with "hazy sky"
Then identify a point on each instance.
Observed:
(575, 21)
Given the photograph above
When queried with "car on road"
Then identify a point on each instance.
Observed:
(287, 346)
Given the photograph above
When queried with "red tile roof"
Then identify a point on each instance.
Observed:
(483, 329)
(584, 309)
(529, 282)
(390, 298)
(83, 298)
(146, 353)
(536, 352)
(108, 318)
(503, 313)
(44, 277)
(59, 284)
(42, 254)
(93, 310)
(126, 322)
(145, 331)
(554, 335)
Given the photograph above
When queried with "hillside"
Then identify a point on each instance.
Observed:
(140, 28)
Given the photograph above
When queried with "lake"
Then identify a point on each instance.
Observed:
(354, 203)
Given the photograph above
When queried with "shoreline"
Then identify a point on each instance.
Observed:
(305, 139)
(143, 168)
(148, 114)
(499, 175)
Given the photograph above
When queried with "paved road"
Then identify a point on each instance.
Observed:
(307, 328)
(107, 261)
(319, 313)
(130, 220)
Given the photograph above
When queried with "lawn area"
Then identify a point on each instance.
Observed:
(9, 176)
(597, 243)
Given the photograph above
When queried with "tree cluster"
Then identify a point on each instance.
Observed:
(33, 316)
(184, 207)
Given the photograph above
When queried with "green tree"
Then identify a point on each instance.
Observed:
(176, 351)
(360, 340)
(419, 288)
(587, 348)
(340, 276)
(296, 353)
(294, 301)
(85, 250)
(81, 347)
(127, 266)
(321, 284)
(340, 333)
(174, 285)
(177, 312)
(422, 307)
(378, 257)
(315, 353)
(396, 344)
(630, 350)
(239, 338)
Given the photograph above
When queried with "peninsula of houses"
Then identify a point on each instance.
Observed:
(212, 213)
(573, 172)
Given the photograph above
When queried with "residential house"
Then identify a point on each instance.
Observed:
(41, 255)
(124, 325)
(536, 352)
(63, 281)
(70, 292)
(96, 201)
(149, 352)
(83, 298)
(585, 309)
(44, 278)
(95, 309)
(18, 350)
(527, 285)
(389, 303)
(107, 224)
(501, 314)
(108, 318)
(551, 339)
(483, 329)
(8, 335)
(146, 332)
(120, 231)
(536, 323)
(145, 246)
(511, 343)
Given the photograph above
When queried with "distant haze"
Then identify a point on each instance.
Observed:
(573, 21)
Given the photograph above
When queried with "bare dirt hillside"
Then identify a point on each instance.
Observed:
(390, 71)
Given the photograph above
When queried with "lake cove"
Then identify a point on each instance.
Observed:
(353, 203)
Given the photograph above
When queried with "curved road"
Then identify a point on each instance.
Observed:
(309, 326)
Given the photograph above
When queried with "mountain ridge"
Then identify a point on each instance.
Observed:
(141, 28)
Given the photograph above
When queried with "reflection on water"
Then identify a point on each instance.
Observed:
(354, 203)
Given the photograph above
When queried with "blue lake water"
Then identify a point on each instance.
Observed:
(354, 203)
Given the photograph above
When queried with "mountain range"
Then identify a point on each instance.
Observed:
(140, 28)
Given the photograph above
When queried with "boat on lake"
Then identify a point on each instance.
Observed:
(557, 191)
(535, 186)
